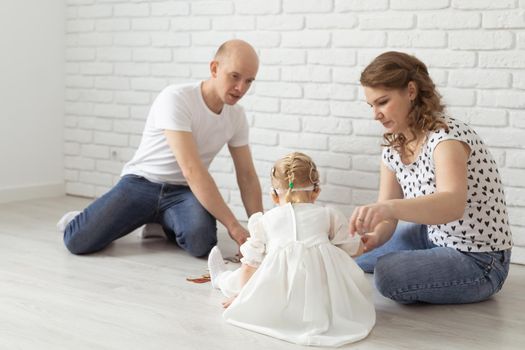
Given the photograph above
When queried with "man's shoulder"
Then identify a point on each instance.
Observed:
(181, 89)
(185, 96)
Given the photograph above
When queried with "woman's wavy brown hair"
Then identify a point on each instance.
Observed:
(393, 71)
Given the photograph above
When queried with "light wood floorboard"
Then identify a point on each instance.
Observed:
(134, 295)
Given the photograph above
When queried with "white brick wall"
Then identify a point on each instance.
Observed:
(121, 53)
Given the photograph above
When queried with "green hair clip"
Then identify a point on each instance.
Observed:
(290, 185)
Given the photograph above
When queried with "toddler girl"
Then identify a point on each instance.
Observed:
(297, 281)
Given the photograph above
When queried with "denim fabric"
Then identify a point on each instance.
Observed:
(135, 201)
(411, 269)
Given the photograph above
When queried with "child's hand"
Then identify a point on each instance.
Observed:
(360, 250)
(372, 240)
(226, 303)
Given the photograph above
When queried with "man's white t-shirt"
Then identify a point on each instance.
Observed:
(182, 108)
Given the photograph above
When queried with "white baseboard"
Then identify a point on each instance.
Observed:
(22, 193)
(518, 255)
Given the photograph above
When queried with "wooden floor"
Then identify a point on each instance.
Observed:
(134, 295)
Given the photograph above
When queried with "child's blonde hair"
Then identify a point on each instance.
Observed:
(295, 170)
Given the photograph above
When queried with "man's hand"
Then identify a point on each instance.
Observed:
(238, 233)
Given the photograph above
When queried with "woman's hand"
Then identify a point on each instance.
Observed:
(366, 218)
(375, 223)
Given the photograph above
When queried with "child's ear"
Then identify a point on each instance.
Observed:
(315, 193)
(275, 197)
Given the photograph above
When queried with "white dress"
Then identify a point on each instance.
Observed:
(307, 289)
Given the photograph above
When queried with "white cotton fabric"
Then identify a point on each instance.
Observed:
(307, 289)
(182, 108)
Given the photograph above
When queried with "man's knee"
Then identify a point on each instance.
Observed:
(198, 239)
(74, 246)
(78, 243)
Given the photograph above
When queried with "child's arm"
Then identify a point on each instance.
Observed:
(360, 250)
(340, 236)
(247, 272)
(354, 248)
(253, 251)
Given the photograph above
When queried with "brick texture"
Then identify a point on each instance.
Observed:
(120, 54)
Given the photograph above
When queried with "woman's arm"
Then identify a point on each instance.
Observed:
(448, 202)
(445, 205)
(389, 189)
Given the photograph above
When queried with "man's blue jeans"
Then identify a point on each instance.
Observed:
(135, 201)
(411, 269)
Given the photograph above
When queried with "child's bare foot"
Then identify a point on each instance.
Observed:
(226, 303)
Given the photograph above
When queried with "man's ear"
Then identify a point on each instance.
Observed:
(214, 66)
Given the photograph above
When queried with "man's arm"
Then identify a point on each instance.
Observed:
(201, 183)
(247, 179)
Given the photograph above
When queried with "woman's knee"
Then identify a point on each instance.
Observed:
(391, 276)
(367, 262)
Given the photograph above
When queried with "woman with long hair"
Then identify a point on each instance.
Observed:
(439, 231)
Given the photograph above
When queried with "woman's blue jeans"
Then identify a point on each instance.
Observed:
(411, 269)
(135, 201)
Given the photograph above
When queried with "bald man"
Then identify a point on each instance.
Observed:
(167, 181)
